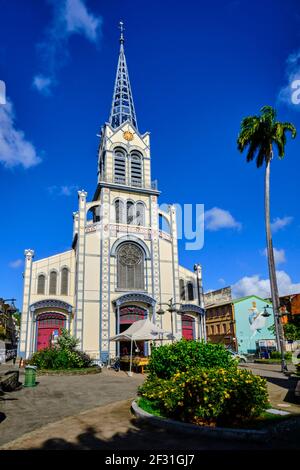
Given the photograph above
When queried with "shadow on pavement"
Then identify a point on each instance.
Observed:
(145, 437)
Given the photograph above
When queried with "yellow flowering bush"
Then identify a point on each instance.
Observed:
(215, 396)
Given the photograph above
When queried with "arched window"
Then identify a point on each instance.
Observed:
(53, 283)
(64, 287)
(119, 208)
(120, 166)
(140, 214)
(136, 169)
(130, 267)
(190, 289)
(130, 212)
(182, 289)
(41, 284)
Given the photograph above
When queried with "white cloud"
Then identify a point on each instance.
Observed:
(254, 285)
(289, 93)
(217, 219)
(279, 223)
(279, 255)
(14, 148)
(43, 84)
(63, 190)
(222, 281)
(70, 17)
(79, 20)
(16, 264)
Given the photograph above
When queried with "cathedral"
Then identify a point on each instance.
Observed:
(123, 263)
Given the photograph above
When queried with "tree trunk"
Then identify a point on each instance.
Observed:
(272, 269)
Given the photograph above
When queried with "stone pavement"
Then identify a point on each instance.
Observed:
(93, 412)
(58, 396)
(279, 386)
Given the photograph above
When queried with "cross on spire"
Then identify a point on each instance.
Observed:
(122, 108)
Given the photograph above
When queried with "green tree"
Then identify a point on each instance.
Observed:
(258, 135)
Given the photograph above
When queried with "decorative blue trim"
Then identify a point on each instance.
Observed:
(192, 308)
(104, 356)
(135, 297)
(130, 238)
(51, 303)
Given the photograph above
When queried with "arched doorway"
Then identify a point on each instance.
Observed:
(188, 327)
(49, 325)
(128, 315)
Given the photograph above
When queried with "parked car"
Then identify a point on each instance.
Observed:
(239, 357)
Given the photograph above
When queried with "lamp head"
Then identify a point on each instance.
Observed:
(266, 314)
(160, 311)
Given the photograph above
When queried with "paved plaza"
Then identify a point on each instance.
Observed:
(93, 412)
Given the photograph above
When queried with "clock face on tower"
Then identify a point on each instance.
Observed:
(128, 135)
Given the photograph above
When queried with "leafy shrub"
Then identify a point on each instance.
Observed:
(214, 396)
(63, 356)
(277, 355)
(166, 360)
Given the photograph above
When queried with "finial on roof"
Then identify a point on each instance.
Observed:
(121, 26)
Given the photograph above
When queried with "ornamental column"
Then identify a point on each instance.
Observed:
(80, 263)
(26, 320)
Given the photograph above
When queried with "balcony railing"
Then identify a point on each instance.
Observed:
(134, 182)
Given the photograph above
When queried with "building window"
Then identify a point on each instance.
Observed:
(182, 289)
(130, 213)
(212, 329)
(120, 166)
(190, 289)
(224, 328)
(140, 214)
(41, 284)
(136, 170)
(119, 208)
(53, 283)
(130, 267)
(218, 329)
(64, 281)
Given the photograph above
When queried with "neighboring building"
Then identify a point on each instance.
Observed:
(289, 307)
(8, 325)
(240, 324)
(123, 261)
(217, 296)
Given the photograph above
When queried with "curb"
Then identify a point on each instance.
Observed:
(207, 431)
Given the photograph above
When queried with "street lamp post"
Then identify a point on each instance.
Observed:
(171, 308)
(279, 335)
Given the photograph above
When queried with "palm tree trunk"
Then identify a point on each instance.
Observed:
(272, 270)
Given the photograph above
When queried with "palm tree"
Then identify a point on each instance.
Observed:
(258, 135)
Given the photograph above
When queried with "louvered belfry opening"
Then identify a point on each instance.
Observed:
(130, 267)
(136, 170)
(120, 166)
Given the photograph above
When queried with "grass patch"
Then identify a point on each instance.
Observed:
(82, 371)
(149, 406)
(263, 421)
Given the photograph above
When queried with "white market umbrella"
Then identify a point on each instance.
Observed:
(141, 330)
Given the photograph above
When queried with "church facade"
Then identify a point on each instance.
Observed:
(123, 265)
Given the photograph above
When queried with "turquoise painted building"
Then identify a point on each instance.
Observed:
(251, 327)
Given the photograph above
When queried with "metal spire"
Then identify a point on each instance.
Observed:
(122, 108)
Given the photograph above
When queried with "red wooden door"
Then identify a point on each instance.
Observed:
(188, 324)
(48, 323)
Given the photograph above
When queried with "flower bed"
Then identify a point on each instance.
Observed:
(217, 394)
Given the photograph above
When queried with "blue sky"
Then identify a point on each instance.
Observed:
(196, 69)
